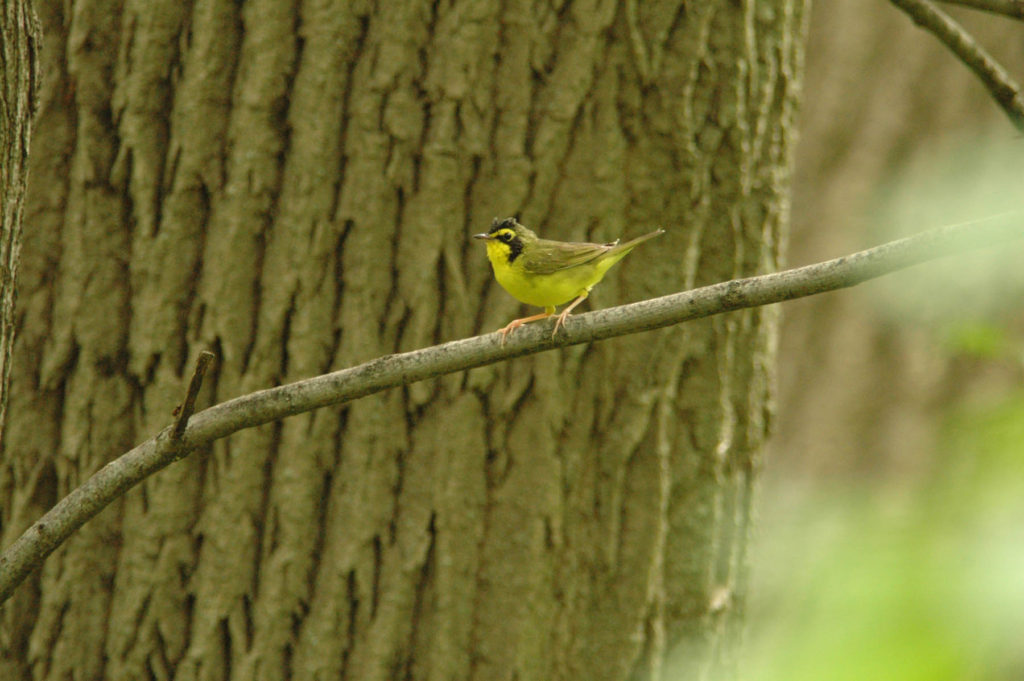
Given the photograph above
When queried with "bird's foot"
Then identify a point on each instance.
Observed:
(516, 323)
(560, 322)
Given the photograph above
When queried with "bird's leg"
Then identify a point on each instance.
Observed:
(516, 323)
(565, 313)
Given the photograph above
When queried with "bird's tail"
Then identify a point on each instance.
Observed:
(633, 243)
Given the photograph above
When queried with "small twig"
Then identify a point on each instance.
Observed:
(995, 78)
(1010, 8)
(272, 404)
(188, 407)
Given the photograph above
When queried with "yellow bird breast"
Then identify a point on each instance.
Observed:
(545, 290)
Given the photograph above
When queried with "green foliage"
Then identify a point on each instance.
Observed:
(980, 340)
(920, 580)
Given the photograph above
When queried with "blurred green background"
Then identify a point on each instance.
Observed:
(890, 537)
(922, 579)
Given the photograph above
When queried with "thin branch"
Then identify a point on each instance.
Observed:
(1010, 8)
(188, 407)
(391, 371)
(993, 76)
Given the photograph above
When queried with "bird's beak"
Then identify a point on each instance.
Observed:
(481, 236)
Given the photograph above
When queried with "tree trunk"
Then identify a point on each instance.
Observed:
(19, 86)
(293, 186)
(19, 92)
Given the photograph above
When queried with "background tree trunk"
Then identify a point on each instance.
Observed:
(924, 133)
(293, 185)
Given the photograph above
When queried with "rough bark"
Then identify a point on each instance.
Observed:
(19, 91)
(293, 185)
(19, 88)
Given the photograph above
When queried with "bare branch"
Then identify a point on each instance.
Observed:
(188, 407)
(264, 406)
(993, 76)
(1010, 8)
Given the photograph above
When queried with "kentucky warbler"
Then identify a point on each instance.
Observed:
(548, 273)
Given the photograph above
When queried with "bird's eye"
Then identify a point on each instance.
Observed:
(504, 236)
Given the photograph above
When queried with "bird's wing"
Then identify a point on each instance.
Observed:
(552, 256)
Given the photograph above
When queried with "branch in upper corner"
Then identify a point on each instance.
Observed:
(1000, 85)
(1010, 8)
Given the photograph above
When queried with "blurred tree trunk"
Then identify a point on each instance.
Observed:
(865, 378)
(293, 185)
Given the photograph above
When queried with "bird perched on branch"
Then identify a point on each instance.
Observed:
(548, 273)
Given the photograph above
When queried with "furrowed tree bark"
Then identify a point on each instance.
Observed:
(293, 185)
(19, 89)
(19, 92)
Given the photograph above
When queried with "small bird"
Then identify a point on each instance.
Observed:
(547, 273)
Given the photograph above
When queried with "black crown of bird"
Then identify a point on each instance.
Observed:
(548, 273)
